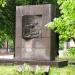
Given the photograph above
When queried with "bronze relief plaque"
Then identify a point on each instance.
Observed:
(31, 27)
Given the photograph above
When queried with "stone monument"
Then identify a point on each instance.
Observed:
(33, 40)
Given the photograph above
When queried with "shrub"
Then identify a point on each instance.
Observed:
(70, 52)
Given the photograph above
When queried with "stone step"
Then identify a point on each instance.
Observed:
(34, 62)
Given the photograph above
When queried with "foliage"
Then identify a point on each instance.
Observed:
(7, 21)
(70, 59)
(20, 70)
(65, 24)
(70, 52)
(12, 70)
(2, 3)
(27, 70)
(61, 45)
(7, 16)
(10, 44)
(34, 2)
(3, 36)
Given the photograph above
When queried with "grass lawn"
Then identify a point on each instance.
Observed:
(7, 70)
(69, 58)
(11, 70)
(69, 70)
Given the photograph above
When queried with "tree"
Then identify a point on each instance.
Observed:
(65, 24)
(7, 21)
(7, 16)
(2, 3)
(35, 2)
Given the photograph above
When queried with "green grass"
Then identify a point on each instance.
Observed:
(69, 70)
(68, 58)
(7, 70)
(12, 70)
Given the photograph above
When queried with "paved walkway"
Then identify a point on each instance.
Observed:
(6, 56)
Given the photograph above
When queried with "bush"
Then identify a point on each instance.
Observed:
(70, 52)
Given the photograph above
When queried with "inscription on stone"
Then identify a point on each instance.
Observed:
(30, 27)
